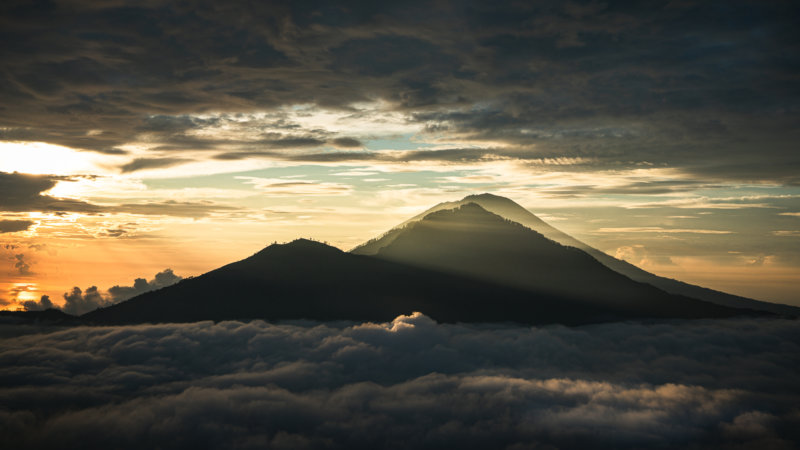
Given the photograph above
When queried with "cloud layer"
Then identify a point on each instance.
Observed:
(706, 86)
(406, 384)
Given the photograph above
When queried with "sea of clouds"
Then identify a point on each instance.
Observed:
(410, 383)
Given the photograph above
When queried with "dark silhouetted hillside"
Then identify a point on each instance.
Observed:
(309, 280)
(49, 316)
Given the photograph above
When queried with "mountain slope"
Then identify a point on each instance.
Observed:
(310, 280)
(509, 209)
(471, 241)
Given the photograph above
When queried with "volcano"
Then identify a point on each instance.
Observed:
(511, 210)
(458, 262)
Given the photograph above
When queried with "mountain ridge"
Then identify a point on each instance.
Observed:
(304, 279)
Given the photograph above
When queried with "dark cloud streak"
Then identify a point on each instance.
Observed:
(151, 163)
(24, 192)
(13, 226)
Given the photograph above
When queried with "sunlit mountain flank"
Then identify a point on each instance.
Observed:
(512, 211)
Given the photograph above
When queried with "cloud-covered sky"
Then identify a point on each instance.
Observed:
(409, 383)
(188, 134)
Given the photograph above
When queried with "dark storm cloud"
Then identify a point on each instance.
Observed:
(23, 192)
(12, 226)
(387, 55)
(406, 384)
(710, 87)
(346, 142)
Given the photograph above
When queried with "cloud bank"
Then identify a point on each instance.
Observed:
(406, 384)
(12, 226)
(77, 301)
(42, 304)
(140, 285)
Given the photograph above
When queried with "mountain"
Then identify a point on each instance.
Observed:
(462, 265)
(310, 280)
(510, 210)
(473, 242)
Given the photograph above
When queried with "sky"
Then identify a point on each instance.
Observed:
(142, 136)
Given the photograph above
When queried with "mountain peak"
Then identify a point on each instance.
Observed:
(465, 209)
(305, 243)
(468, 215)
(299, 246)
(489, 204)
(485, 197)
